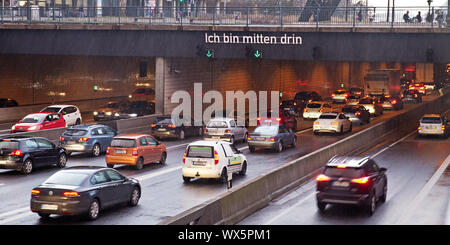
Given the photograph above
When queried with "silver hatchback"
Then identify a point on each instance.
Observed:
(225, 129)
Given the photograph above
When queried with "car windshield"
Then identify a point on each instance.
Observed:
(302, 95)
(435, 120)
(266, 130)
(327, 116)
(339, 92)
(67, 178)
(349, 109)
(125, 143)
(344, 172)
(365, 101)
(165, 121)
(36, 118)
(314, 105)
(217, 124)
(200, 151)
(52, 109)
(10, 145)
(75, 132)
(113, 105)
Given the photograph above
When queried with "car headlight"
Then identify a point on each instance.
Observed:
(32, 128)
(116, 114)
(133, 115)
(13, 127)
(95, 113)
(108, 113)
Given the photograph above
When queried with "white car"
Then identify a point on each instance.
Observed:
(433, 124)
(332, 122)
(212, 159)
(71, 113)
(339, 96)
(225, 129)
(314, 109)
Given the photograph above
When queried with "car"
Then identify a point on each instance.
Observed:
(357, 114)
(285, 118)
(315, 108)
(39, 121)
(83, 190)
(391, 102)
(275, 137)
(411, 96)
(109, 110)
(212, 160)
(71, 113)
(87, 138)
(373, 105)
(353, 100)
(419, 87)
(340, 96)
(142, 94)
(351, 180)
(433, 124)
(430, 87)
(165, 127)
(24, 153)
(358, 92)
(224, 129)
(238, 117)
(334, 122)
(135, 109)
(288, 105)
(135, 150)
(6, 102)
(302, 98)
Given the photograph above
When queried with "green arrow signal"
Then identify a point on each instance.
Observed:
(209, 54)
(257, 54)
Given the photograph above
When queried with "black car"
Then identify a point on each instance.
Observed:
(391, 102)
(275, 137)
(302, 98)
(8, 102)
(351, 180)
(357, 92)
(83, 190)
(165, 127)
(26, 153)
(135, 109)
(357, 114)
(411, 96)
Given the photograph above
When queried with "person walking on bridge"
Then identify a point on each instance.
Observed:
(406, 17)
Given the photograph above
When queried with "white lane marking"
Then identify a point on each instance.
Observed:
(290, 209)
(391, 145)
(16, 217)
(15, 211)
(243, 148)
(304, 131)
(152, 175)
(2, 184)
(176, 146)
(424, 192)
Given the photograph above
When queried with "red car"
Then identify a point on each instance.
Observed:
(39, 121)
(284, 118)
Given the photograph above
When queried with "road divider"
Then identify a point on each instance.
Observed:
(236, 204)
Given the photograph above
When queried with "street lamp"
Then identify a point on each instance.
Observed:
(429, 18)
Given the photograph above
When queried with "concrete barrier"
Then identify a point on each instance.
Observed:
(138, 124)
(236, 204)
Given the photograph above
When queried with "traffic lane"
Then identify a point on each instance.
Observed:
(410, 164)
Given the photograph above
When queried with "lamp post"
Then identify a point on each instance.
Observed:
(429, 5)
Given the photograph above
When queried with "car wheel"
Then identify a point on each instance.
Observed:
(27, 167)
(372, 204)
(135, 195)
(232, 140)
(110, 165)
(342, 130)
(243, 169)
(186, 179)
(279, 146)
(351, 128)
(44, 216)
(251, 148)
(78, 122)
(384, 195)
(163, 158)
(96, 150)
(94, 210)
(321, 206)
(245, 137)
(224, 176)
(62, 161)
(294, 143)
(139, 164)
(181, 135)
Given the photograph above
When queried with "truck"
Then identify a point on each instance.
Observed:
(379, 82)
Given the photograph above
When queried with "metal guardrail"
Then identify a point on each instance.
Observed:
(234, 16)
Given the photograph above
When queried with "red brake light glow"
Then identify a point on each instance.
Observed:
(216, 157)
(172, 126)
(184, 155)
(323, 177)
(35, 192)
(227, 131)
(107, 150)
(341, 166)
(83, 139)
(16, 153)
(135, 152)
(71, 194)
(61, 138)
(362, 180)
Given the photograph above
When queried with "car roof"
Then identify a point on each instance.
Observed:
(84, 169)
(431, 115)
(87, 126)
(347, 161)
(317, 102)
(61, 106)
(330, 113)
(130, 136)
(221, 119)
(206, 143)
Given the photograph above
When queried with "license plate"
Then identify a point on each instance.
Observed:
(49, 207)
(121, 151)
(216, 137)
(161, 129)
(70, 142)
(199, 163)
(261, 138)
(341, 183)
(267, 121)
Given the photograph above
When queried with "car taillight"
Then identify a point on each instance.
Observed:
(394, 102)
(184, 156)
(272, 139)
(135, 152)
(278, 118)
(61, 138)
(258, 118)
(107, 150)
(415, 96)
(83, 139)
(341, 166)
(316, 123)
(249, 138)
(333, 95)
(443, 127)
(206, 130)
(153, 125)
(357, 113)
(216, 157)
(71, 194)
(35, 192)
(16, 153)
(172, 126)
(334, 123)
(345, 95)
(362, 180)
(227, 131)
(322, 177)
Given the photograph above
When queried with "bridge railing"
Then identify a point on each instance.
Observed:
(241, 16)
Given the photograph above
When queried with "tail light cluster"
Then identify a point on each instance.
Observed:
(134, 152)
(362, 180)
(61, 138)
(172, 126)
(108, 150)
(227, 131)
(184, 156)
(71, 194)
(35, 192)
(83, 139)
(16, 153)
(216, 158)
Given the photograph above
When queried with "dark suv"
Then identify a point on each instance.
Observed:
(302, 98)
(26, 153)
(351, 180)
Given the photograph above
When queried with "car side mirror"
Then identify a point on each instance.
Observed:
(383, 170)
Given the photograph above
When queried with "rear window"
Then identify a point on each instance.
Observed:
(11, 145)
(125, 143)
(339, 92)
(365, 101)
(314, 105)
(436, 120)
(344, 172)
(266, 130)
(217, 124)
(200, 151)
(75, 132)
(327, 116)
(51, 109)
(349, 109)
(33, 118)
(67, 178)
